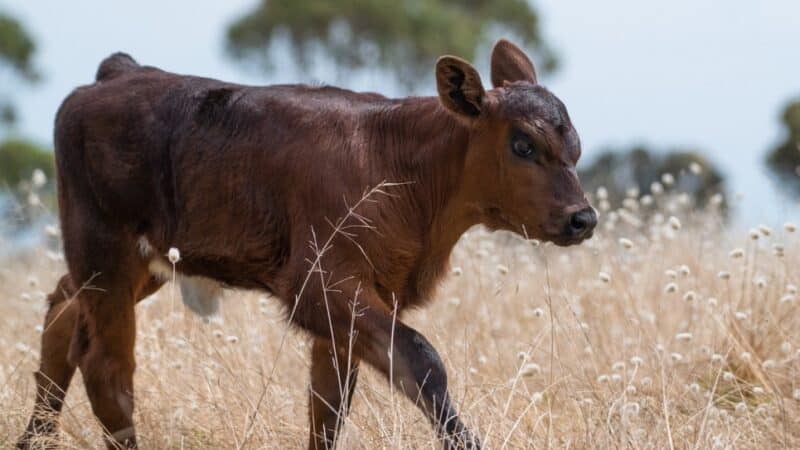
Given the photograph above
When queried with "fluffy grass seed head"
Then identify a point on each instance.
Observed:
(174, 255)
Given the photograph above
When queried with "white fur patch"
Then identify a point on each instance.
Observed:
(199, 294)
(145, 249)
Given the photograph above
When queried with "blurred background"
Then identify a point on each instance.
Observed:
(702, 97)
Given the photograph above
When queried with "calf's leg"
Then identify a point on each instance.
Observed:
(55, 370)
(333, 380)
(398, 351)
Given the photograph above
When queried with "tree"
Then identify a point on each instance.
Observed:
(404, 36)
(18, 160)
(639, 168)
(16, 52)
(784, 160)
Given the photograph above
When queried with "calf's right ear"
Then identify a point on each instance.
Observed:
(459, 85)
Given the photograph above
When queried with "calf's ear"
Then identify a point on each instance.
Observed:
(510, 64)
(459, 86)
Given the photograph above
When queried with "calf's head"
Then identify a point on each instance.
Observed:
(519, 167)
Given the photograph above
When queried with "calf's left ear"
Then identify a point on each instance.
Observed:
(510, 64)
(459, 85)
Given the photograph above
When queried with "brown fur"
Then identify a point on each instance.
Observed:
(242, 178)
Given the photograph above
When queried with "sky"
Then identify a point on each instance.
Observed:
(708, 74)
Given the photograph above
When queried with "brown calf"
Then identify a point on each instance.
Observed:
(241, 179)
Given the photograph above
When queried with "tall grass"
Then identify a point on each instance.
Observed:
(666, 330)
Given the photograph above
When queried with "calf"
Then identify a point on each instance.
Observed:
(241, 179)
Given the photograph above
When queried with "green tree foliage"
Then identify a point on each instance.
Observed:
(18, 160)
(17, 47)
(784, 160)
(404, 36)
(16, 52)
(638, 168)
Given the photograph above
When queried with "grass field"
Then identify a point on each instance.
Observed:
(653, 334)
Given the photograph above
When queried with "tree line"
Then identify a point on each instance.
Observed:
(403, 38)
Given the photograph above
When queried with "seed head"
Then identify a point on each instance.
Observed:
(685, 337)
(765, 230)
(674, 223)
(625, 242)
(737, 253)
(727, 376)
(34, 199)
(790, 227)
(670, 288)
(174, 255)
(604, 277)
(689, 296)
(668, 179)
(695, 168)
(52, 230)
(457, 271)
(724, 275)
(656, 188)
(530, 369)
(38, 178)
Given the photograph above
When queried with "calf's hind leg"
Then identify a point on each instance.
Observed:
(108, 261)
(55, 370)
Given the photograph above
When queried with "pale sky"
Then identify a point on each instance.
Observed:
(712, 74)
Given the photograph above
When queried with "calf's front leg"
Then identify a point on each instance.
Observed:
(400, 353)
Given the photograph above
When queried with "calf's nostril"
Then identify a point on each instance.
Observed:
(578, 221)
(582, 222)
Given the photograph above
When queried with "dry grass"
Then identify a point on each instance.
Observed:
(543, 350)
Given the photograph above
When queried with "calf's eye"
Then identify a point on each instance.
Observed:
(522, 147)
